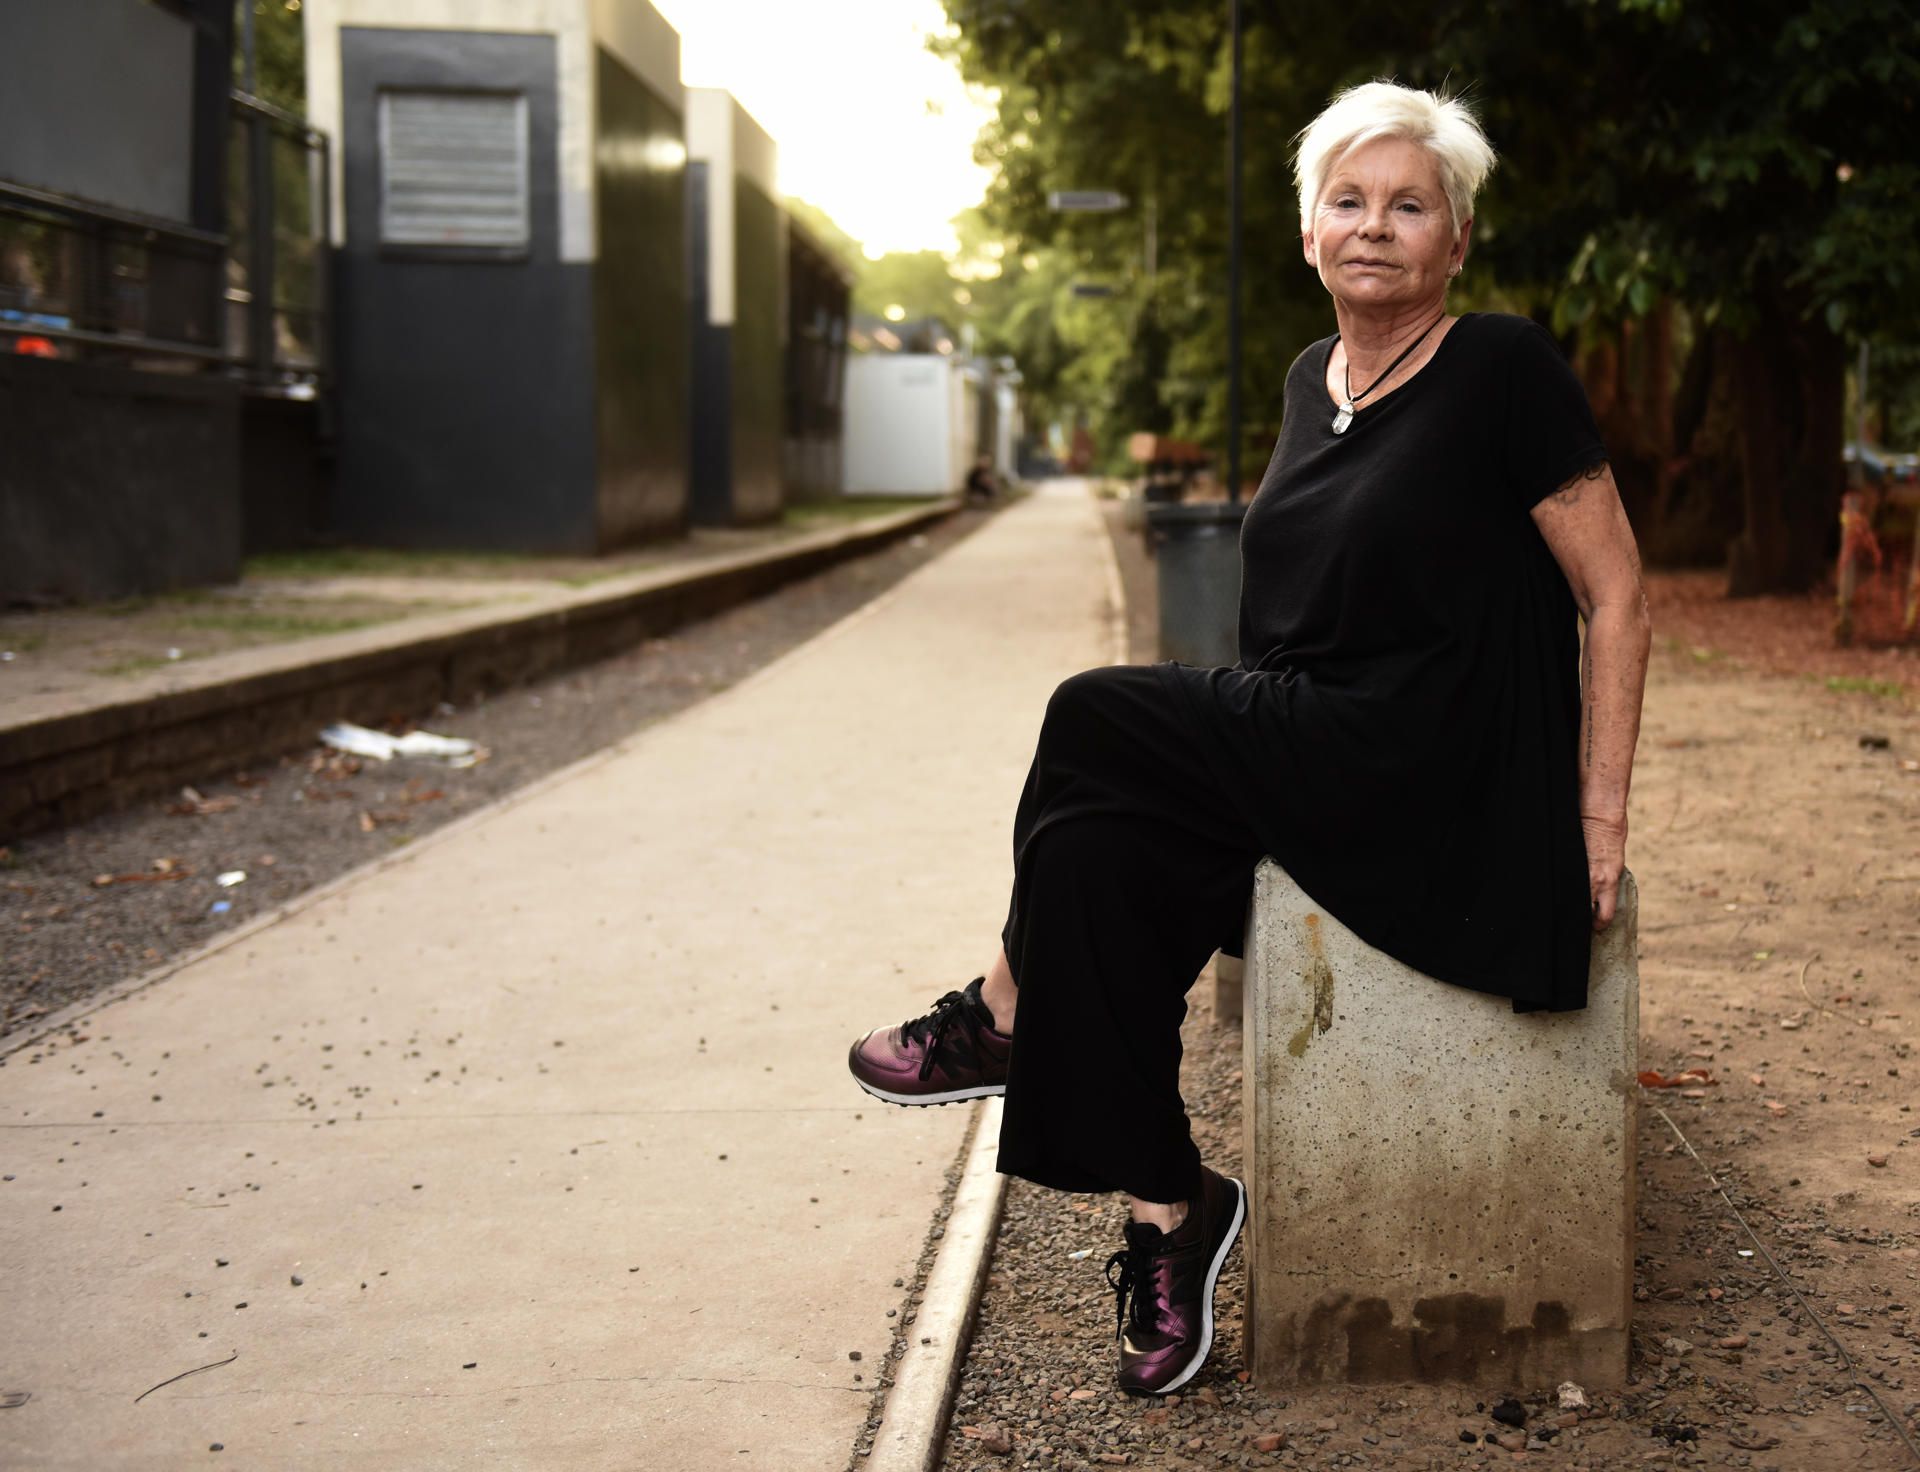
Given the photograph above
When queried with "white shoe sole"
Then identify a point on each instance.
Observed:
(953, 1096)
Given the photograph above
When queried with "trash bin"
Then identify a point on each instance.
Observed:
(1197, 545)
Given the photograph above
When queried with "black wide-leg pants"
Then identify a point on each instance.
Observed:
(1132, 865)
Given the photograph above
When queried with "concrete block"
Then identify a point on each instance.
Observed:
(1441, 1189)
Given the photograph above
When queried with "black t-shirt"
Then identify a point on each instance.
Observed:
(1406, 707)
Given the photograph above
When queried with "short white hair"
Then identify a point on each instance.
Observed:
(1444, 126)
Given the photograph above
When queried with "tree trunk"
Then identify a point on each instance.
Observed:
(1790, 376)
(1698, 510)
(1605, 371)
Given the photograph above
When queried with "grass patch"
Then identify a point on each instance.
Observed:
(1861, 685)
(26, 643)
(325, 562)
(588, 579)
(137, 664)
(275, 625)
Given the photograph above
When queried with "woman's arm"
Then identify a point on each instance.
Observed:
(1586, 528)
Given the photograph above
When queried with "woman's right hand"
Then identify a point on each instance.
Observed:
(1606, 862)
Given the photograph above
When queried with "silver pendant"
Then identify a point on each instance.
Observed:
(1342, 419)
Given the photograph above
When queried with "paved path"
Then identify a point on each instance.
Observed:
(550, 1118)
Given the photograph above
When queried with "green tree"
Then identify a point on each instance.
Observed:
(918, 282)
(1732, 186)
(279, 53)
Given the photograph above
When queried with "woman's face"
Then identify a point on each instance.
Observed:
(1380, 234)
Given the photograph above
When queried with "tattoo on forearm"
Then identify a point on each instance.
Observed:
(1587, 680)
(1570, 492)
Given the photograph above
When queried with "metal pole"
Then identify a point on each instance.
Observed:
(260, 246)
(246, 46)
(1153, 236)
(1860, 391)
(1233, 266)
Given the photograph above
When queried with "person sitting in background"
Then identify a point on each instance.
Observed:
(981, 485)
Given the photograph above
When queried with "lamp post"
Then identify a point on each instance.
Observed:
(1198, 546)
(1233, 262)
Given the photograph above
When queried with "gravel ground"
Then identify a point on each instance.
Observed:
(1727, 1371)
(317, 814)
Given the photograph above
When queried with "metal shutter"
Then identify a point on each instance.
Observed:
(453, 169)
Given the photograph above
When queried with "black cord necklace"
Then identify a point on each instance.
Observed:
(1344, 415)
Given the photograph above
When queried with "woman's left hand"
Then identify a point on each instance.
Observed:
(1606, 861)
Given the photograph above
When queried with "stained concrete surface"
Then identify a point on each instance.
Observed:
(1441, 1189)
(551, 1117)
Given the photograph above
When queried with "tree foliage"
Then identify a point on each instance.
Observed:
(279, 53)
(1746, 173)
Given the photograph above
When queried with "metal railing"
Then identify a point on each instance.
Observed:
(85, 280)
(277, 327)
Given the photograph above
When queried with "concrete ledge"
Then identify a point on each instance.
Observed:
(234, 709)
(1442, 1189)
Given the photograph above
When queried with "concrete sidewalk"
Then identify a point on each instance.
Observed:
(534, 1147)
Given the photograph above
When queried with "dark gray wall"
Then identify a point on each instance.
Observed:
(759, 358)
(739, 370)
(114, 481)
(710, 486)
(466, 386)
(286, 473)
(640, 311)
(96, 101)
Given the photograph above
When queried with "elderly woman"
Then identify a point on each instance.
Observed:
(1414, 729)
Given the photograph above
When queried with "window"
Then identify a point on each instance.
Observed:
(453, 170)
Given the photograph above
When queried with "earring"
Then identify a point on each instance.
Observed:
(1454, 271)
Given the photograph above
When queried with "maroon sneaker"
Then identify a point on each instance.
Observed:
(947, 1055)
(1164, 1341)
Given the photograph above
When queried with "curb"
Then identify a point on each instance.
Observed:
(61, 769)
(918, 1409)
(913, 1425)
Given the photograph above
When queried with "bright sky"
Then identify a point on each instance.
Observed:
(870, 126)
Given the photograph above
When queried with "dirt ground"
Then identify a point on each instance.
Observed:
(1775, 834)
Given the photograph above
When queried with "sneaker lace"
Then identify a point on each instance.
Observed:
(934, 1027)
(1136, 1275)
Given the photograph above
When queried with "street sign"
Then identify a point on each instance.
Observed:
(1085, 199)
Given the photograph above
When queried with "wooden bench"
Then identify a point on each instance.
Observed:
(1439, 1188)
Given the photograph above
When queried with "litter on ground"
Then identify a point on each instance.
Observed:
(455, 751)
